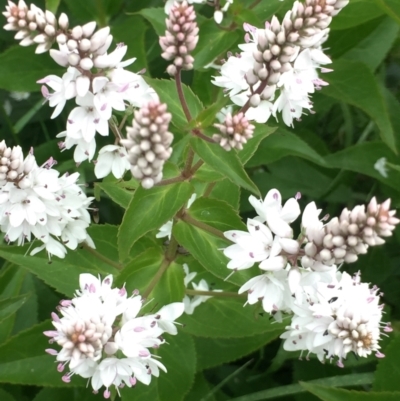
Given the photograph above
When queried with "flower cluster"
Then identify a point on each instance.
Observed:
(300, 276)
(35, 202)
(104, 338)
(276, 69)
(97, 80)
(149, 142)
(180, 37)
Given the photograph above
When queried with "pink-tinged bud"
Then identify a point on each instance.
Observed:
(51, 351)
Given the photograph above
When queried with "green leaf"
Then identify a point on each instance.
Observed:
(119, 195)
(11, 305)
(18, 75)
(208, 115)
(23, 360)
(223, 350)
(281, 144)
(206, 248)
(388, 371)
(390, 7)
(227, 318)
(227, 191)
(178, 355)
(260, 133)
(66, 394)
(216, 213)
(224, 162)
(338, 394)
(358, 379)
(167, 93)
(374, 47)
(361, 159)
(352, 82)
(356, 13)
(4, 396)
(150, 209)
(200, 389)
(213, 42)
(52, 5)
(156, 17)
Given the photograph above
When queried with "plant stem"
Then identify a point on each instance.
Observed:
(188, 164)
(209, 189)
(224, 294)
(101, 257)
(196, 167)
(259, 91)
(168, 259)
(122, 123)
(202, 136)
(168, 181)
(189, 219)
(181, 95)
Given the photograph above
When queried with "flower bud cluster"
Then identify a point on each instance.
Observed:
(35, 202)
(234, 132)
(97, 93)
(180, 37)
(282, 56)
(104, 337)
(333, 313)
(149, 142)
(11, 163)
(345, 237)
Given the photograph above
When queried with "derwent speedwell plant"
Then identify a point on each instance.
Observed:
(172, 140)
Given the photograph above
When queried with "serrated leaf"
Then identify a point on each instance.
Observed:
(388, 371)
(213, 42)
(150, 209)
(168, 94)
(23, 360)
(260, 133)
(224, 350)
(352, 82)
(338, 394)
(208, 115)
(390, 7)
(11, 305)
(227, 163)
(227, 318)
(18, 75)
(206, 248)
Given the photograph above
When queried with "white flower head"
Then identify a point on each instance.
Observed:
(112, 159)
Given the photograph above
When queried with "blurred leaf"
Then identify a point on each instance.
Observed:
(260, 132)
(388, 371)
(21, 123)
(16, 74)
(206, 248)
(150, 209)
(4, 396)
(208, 115)
(227, 318)
(200, 389)
(265, 9)
(361, 159)
(356, 13)
(224, 350)
(131, 30)
(390, 7)
(52, 5)
(352, 82)
(167, 92)
(338, 394)
(216, 213)
(283, 143)
(156, 17)
(65, 394)
(226, 190)
(373, 49)
(11, 305)
(213, 42)
(355, 379)
(23, 360)
(224, 162)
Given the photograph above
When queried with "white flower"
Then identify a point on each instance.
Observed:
(381, 167)
(83, 150)
(276, 216)
(112, 158)
(103, 338)
(336, 318)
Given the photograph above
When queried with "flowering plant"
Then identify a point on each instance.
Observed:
(198, 200)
